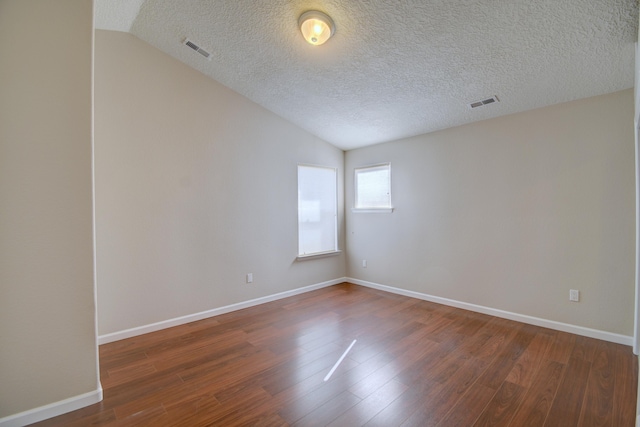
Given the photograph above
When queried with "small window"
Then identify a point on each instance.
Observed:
(317, 211)
(373, 188)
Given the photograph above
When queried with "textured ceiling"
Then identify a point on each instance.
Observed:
(395, 69)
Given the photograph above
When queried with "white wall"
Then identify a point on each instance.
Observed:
(195, 188)
(510, 214)
(48, 346)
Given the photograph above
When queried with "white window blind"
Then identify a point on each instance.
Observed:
(317, 210)
(373, 187)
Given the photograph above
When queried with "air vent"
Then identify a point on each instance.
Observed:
(197, 48)
(477, 104)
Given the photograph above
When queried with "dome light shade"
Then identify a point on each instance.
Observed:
(316, 27)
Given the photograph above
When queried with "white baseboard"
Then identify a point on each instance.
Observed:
(559, 326)
(128, 333)
(52, 410)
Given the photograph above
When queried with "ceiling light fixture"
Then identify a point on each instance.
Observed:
(316, 27)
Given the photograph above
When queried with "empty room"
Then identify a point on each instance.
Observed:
(273, 213)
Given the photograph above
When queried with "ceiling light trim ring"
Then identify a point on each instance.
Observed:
(316, 27)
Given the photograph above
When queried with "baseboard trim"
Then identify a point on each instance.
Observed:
(551, 324)
(128, 333)
(52, 410)
(545, 323)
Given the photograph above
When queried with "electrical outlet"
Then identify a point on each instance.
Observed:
(364, 263)
(574, 295)
(249, 277)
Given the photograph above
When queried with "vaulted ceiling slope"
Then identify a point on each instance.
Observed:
(394, 68)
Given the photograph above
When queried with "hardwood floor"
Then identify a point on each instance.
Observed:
(415, 363)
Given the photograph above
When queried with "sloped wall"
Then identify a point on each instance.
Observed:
(196, 186)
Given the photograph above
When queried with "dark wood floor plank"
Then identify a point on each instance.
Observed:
(471, 325)
(193, 344)
(567, 405)
(329, 411)
(346, 335)
(506, 358)
(287, 374)
(269, 419)
(261, 420)
(285, 398)
(527, 365)
(425, 311)
(440, 399)
(404, 406)
(437, 326)
(119, 360)
(234, 372)
(400, 369)
(308, 328)
(140, 341)
(425, 361)
(469, 407)
(584, 348)
(205, 410)
(597, 409)
(308, 403)
(369, 407)
(145, 418)
(502, 407)
(538, 399)
(491, 339)
(561, 347)
(87, 416)
(128, 373)
(206, 358)
(238, 411)
(395, 307)
(624, 410)
(415, 363)
(390, 341)
(142, 388)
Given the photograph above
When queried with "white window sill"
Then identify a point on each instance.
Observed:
(317, 255)
(374, 210)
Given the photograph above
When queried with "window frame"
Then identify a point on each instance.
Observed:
(331, 252)
(356, 208)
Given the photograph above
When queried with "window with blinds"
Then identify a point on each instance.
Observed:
(373, 187)
(317, 210)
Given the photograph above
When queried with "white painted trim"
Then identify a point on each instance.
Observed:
(52, 410)
(551, 324)
(93, 202)
(128, 333)
(636, 323)
(318, 255)
(636, 122)
(372, 210)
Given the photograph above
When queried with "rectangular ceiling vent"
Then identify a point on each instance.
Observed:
(197, 48)
(477, 104)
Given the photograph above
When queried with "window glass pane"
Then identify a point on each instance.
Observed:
(317, 209)
(373, 187)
